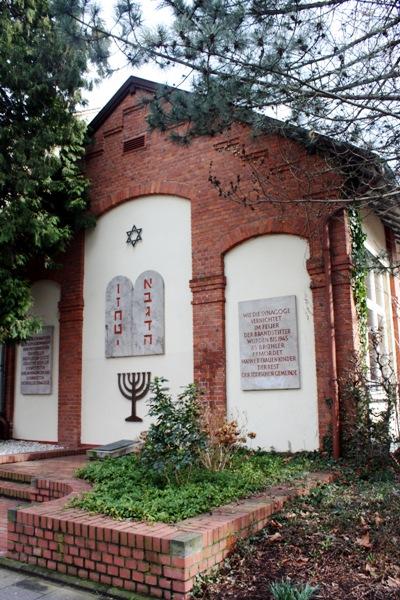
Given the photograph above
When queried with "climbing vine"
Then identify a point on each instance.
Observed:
(359, 272)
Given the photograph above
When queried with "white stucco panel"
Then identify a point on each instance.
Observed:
(165, 247)
(267, 267)
(374, 229)
(36, 415)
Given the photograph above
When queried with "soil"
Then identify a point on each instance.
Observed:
(344, 539)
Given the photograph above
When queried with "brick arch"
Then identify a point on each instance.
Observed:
(259, 227)
(150, 188)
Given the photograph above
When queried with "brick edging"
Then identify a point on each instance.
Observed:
(42, 454)
(158, 560)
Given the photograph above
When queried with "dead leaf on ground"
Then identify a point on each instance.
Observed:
(364, 541)
(371, 570)
(393, 582)
(275, 524)
(274, 538)
(363, 521)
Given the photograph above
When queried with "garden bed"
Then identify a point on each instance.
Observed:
(343, 539)
(154, 559)
(125, 489)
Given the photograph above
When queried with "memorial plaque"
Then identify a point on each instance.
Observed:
(119, 317)
(37, 363)
(148, 314)
(114, 450)
(269, 356)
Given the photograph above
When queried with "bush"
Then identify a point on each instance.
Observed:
(175, 440)
(223, 440)
(371, 425)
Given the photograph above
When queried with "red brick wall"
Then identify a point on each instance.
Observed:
(218, 224)
(70, 278)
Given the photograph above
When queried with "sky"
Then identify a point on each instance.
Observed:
(103, 91)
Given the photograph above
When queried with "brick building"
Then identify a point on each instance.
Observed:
(254, 303)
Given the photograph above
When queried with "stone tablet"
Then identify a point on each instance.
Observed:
(119, 317)
(269, 356)
(120, 448)
(148, 314)
(37, 363)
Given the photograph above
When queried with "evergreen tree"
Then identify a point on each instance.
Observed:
(43, 60)
(329, 65)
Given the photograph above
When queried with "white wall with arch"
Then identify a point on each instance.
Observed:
(36, 416)
(266, 267)
(166, 248)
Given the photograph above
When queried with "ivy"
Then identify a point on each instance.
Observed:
(359, 273)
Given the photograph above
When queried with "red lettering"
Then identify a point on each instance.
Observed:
(147, 297)
(118, 328)
(119, 317)
(148, 323)
(147, 283)
(148, 339)
(147, 311)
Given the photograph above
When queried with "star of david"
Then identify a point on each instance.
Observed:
(134, 235)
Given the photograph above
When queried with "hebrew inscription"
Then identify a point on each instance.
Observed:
(148, 314)
(119, 317)
(269, 356)
(37, 363)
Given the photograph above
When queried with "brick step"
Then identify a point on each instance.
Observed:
(17, 489)
(11, 476)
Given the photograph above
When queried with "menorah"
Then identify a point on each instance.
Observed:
(134, 387)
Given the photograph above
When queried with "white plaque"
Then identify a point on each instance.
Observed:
(37, 363)
(148, 314)
(269, 356)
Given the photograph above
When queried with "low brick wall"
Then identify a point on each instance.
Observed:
(156, 560)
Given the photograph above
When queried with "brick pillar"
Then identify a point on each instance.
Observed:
(209, 338)
(346, 321)
(71, 324)
(315, 268)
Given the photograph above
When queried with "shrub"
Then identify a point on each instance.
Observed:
(174, 441)
(223, 440)
(371, 429)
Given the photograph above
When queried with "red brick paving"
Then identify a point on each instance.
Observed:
(59, 468)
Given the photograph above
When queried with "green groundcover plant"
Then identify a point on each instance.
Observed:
(285, 590)
(124, 488)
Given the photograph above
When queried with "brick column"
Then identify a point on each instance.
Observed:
(209, 338)
(315, 268)
(71, 325)
(346, 320)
